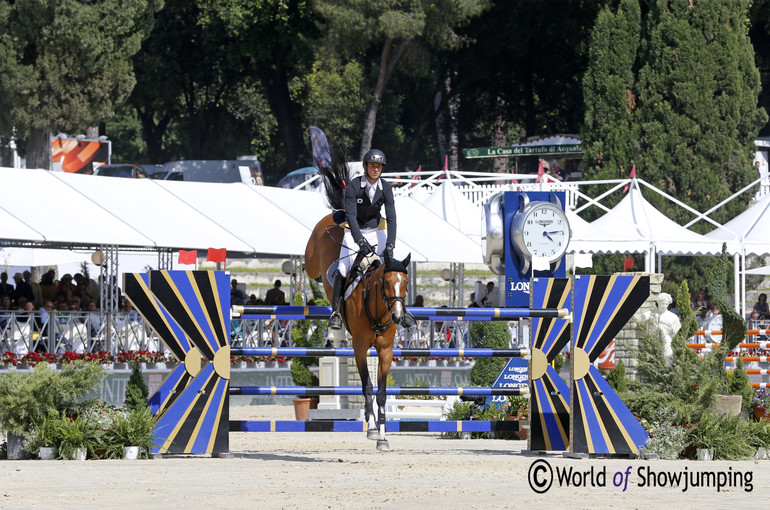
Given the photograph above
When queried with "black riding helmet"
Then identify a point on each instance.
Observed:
(374, 156)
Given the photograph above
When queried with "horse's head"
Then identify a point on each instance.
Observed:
(394, 283)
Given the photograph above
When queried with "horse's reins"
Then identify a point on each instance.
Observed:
(378, 327)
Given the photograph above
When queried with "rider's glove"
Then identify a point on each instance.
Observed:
(388, 253)
(364, 247)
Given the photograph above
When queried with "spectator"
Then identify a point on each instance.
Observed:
(701, 302)
(557, 172)
(94, 318)
(5, 287)
(271, 298)
(36, 291)
(715, 323)
(22, 290)
(67, 288)
(484, 295)
(761, 307)
(237, 296)
(75, 304)
(252, 300)
(5, 310)
(48, 287)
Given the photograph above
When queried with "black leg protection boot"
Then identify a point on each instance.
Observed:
(407, 320)
(335, 321)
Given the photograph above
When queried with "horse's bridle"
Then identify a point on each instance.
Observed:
(378, 327)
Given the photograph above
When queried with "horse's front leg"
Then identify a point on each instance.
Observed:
(383, 369)
(366, 387)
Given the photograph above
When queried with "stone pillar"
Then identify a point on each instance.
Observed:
(627, 339)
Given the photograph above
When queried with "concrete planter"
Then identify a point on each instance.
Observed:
(48, 453)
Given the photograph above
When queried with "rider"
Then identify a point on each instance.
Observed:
(364, 198)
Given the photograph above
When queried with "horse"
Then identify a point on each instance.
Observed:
(374, 307)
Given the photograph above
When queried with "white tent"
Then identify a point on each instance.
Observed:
(35, 257)
(747, 233)
(634, 220)
(449, 204)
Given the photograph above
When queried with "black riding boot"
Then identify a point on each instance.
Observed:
(335, 321)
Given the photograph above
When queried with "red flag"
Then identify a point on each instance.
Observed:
(632, 175)
(628, 263)
(446, 162)
(217, 255)
(188, 257)
(540, 171)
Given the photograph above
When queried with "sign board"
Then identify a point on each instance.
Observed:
(523, 150)
(513, 375)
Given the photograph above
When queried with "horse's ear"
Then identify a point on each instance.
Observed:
(406, 260)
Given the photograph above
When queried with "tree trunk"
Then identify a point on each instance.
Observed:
(454, 130)
(39, 149)
(92, 133)
(387, 64)
(287, 112)
(500, 165)
(441, 136)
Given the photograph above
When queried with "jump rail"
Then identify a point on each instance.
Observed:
(361, 426)
(427, 313)
(348, 352)
(748, 345)
(472, 391)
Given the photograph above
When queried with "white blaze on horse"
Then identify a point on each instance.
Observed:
(374, 307)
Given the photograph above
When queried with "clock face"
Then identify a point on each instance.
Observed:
(542, 230)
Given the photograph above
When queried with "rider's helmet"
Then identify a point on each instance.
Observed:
(374, 156)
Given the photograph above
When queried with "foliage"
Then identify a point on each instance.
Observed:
(460, 411)
(739, 384)
(134, 428)
(725, 435)
(77, 433)
(136, 390)
(666, 441)
(302, 336)
(761, 398)
(616, 377)
(490, 335)
(558, 362)
(28, 398)
(67, 67)
(518, 407)
(733, 325)
(49, 433)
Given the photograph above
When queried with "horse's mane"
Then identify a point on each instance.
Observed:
(334, 177)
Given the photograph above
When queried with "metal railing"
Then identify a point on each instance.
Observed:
(82, 332)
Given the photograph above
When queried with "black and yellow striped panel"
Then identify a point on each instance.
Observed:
(199, 301)
(601, 423)
(549, 395)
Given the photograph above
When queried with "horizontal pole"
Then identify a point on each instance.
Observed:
(361, 426)
(748, 345)
(472, 391)
(348, 352)
(720, 332)
(421, 313)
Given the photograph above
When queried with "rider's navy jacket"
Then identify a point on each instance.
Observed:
(363, 213)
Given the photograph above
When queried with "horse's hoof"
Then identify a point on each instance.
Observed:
(382, 445)
(372, 434)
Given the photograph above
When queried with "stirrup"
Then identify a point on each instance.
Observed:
(335, 321)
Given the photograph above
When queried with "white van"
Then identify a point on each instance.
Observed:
(244, 170)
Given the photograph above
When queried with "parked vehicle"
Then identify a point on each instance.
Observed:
(247, 171)
(131, 171)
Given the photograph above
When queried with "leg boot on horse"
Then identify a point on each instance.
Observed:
(335, 321)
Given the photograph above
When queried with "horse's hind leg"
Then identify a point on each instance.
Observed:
(366, 386)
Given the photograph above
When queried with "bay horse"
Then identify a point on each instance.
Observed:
(374, 307)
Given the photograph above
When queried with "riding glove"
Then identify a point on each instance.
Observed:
(388, 253)
(364, 247)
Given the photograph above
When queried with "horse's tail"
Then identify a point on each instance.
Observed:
(335, 177)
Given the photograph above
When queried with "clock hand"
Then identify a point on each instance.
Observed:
(546, 235)
(555, 232)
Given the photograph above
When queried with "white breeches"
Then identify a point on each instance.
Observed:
(377, 238)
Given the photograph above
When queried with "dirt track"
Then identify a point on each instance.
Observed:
(316, 470)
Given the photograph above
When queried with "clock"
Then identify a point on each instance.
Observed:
(540, 234)
(492, 239)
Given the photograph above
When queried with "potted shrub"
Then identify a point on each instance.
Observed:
(130, 433)
(46, 438)
(78, 436)
(27, 398)
(306, 333)
(703, 436)
(760, 404)
(517, 409)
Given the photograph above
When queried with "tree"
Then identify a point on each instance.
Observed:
(609, 136)
(382, 33)
(66, 65)
(698, 114)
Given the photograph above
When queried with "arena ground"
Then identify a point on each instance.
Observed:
(344, 470)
